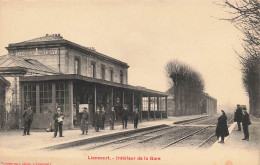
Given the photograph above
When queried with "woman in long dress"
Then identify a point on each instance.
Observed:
(222, 128)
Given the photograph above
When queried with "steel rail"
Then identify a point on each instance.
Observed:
(127, 138)
(211, 136)
(158, 136)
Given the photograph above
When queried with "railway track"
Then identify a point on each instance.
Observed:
(126, 139)
(183, 138)
(212, 135)
(198, 136)
(195, 121)
(192, 134)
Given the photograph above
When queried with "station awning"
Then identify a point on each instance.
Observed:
(75, 77)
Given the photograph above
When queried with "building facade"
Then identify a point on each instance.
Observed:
(50, 72)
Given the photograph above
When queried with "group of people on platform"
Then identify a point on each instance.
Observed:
(99, 119)
(240, 116)
(100, 116)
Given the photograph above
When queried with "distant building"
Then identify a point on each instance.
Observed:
(50, 72)
(208, 106)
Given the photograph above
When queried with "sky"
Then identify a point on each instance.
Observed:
(145, 34)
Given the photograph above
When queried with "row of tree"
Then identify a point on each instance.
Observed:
(187, 87)
(246, 17)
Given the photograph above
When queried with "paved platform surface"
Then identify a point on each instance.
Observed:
(236, 151)
(233, 152)
(13, 139)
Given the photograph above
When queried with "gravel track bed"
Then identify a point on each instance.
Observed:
(122, 139)
(213, 120)
(197, 139)
(139, 138)
(168, 136)
(166, 139)
(210, 142)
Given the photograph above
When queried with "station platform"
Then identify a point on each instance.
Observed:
(236, 151)
(13, 141)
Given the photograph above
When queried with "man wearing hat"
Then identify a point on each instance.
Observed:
(58, 118)
(124, 117)
(28, 118)
(245, 123)
(238, 117)
(112, 118)
(103, 117)
(84, 121)
(136, 117)
(98, 119)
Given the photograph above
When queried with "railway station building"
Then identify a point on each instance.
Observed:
(50, 72)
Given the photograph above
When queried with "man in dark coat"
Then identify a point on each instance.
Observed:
(58, 118)
(245, 123)
(84, 121)
(103, 116)
(98, 120)
(136, 117)
(222, 129)
(112, 118)
(238, 117)
(28, 118)
(124, 117)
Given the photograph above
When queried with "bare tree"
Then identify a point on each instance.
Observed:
(187, 87)
(245, 15)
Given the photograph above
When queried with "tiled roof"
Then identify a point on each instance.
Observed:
(52, 37)
(14, 61)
